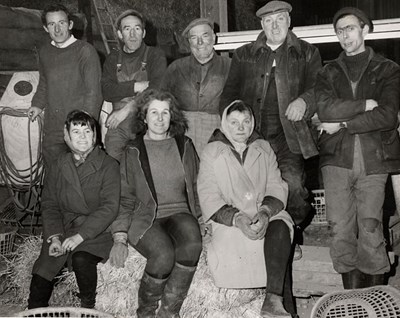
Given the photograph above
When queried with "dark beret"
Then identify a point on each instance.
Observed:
(196, 22)
(273, 7)
(356, 12)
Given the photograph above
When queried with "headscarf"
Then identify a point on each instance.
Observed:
(239, 147)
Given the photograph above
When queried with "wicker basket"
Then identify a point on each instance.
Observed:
(319, 206)
(7, 236)
(63, 312)
(372, 302)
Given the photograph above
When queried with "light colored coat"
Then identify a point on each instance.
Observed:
(235, 261)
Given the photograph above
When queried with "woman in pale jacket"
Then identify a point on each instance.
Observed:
(242, 195)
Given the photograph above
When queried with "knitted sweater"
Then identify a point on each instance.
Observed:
(69, 79)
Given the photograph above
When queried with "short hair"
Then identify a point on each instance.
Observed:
(127, 13)
(80, 117)
(55, 8)
(178, 124)
(240, 106)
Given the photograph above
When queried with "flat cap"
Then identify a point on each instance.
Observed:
(196, 22)
(126, 13)
(356, 12)
(273, 7)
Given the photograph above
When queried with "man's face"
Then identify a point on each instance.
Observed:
(131, 33)
(201, 40)
(58, 27)
(276, 27)
(350, 34)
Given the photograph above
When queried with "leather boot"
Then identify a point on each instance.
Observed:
(176, 290)
(40, 292)
(374, 280)
(354, 279)
(150, 292)
(273, 307)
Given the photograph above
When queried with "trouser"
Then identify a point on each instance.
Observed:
(170, 240)
(354, 203)
(85, 267)
(291, 166)
(278, 258)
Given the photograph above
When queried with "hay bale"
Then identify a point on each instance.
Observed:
(117, 287)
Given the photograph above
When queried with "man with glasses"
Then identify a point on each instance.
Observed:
(197, 81)
(69, 79)
(358, 102)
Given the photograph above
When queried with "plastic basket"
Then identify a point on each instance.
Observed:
(7, 236)
(319, 206)
(372, 302)
(63, 312)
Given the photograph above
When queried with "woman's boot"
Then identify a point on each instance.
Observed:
(40, 292)
(150, 292)
(176, 290)
(354, 279)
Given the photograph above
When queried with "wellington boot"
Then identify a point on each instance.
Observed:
(40, 292)
(273, 307)
(354, 279)
(375, 280)
(149, 295)
(175, 291)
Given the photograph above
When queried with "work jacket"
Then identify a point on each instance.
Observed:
(295, 76)
(376, 129)
(138, 208)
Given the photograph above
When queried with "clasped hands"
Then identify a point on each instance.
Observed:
(254, 228)
(57, 248)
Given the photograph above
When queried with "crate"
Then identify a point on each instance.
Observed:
(63, 312)
(7, 236)
(319, 206)
(371, 302)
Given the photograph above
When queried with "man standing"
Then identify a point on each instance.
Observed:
(126, 73)
(358, 102)
(69, 79)
(197, 81)
(275, 75)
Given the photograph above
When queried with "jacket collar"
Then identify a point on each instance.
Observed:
(291, 41)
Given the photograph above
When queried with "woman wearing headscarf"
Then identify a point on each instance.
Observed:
(242, 195)
(80, 200)
(159, 208)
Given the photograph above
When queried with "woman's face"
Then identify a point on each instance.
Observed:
(158, 118)
(81, 137)
(239, 125)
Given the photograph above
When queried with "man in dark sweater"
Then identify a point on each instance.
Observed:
(358, 102)
(126, 73)
(70, 75)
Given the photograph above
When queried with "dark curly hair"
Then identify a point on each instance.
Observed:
(55, 8)
(178, 124)
(80, 117)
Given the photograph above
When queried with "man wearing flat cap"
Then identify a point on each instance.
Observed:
(276, 75)
(127, 72)
(358, 102)
(197, 81)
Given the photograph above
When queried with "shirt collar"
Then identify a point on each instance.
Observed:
(71, 40)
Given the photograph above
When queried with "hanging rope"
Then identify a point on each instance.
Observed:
(22, 181)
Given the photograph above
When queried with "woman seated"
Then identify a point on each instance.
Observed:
(242, 195)
(159, 205)
(79, 202)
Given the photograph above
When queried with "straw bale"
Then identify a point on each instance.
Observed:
(117, 287)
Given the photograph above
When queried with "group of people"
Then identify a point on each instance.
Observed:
(248, 119)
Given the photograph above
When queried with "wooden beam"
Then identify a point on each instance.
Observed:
(217, 11)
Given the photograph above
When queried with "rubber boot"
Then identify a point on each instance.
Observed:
(150, 292)
(40, 292)
(374, 280)
(354, 279)
(176, 290)
(273, 307)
